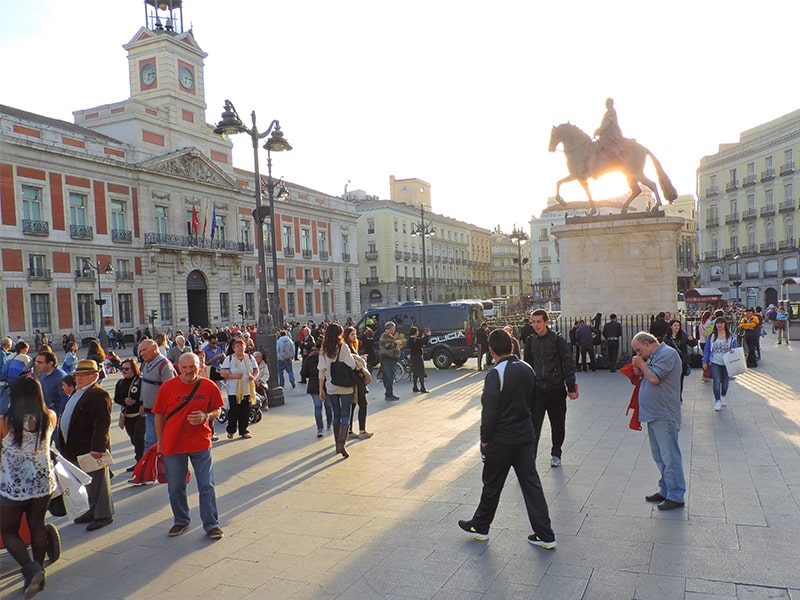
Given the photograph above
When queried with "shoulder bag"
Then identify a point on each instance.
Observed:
(341, 373)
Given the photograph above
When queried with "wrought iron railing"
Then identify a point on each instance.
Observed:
(81, 232)
(307, 253)
(345, 257)
(323, 255)
(31, 227)
(196, 242)
(43, 274)
(371, 255)
(121, 235)
(84, 275)
(288, 252)
(787, 168)
(123, 275)
(767, 174)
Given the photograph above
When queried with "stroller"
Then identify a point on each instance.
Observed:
(53, 551)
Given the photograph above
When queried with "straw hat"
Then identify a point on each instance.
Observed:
(87, 366)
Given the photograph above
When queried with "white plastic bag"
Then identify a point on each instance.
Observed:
(735, 362)
(72, 485)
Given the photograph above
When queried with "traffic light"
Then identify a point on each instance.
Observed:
(153, 315)
(241, 310)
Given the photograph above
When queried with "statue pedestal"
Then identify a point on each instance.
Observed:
(623, 264)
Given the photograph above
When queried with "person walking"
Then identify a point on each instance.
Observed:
(285, 354)
(360, 394)
(782, 323)
(718, 344)
(508, 439)
(389, 353)
(184, 407)
(659, 366)
(416, 349)
(26, 478)
(239, 370)
(310, 372)
(551, 359)
(339, 394)
(127, 393)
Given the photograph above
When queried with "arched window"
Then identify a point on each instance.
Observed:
(770, 232)
(751, 236)
(734, 238)
(788, 227)
(545, 273)
(714, 243)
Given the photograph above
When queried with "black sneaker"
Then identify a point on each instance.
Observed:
(215, 534)
(535, 540)
(176, 530)
(470, 529)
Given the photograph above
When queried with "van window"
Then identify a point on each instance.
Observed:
(445, 318)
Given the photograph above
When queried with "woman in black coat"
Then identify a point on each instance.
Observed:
(416, 345)
(677, 339)
(310, 372)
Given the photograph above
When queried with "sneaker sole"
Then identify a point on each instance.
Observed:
(541, 544)
(474, 534)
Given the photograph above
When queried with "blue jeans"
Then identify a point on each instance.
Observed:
(176, 467)
(285, 365)
(387, 373)
(719, 377)
(666, 452)
(340, 403)
(149, 430)
(318, 410)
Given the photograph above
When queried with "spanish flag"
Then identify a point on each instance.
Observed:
(195, 221)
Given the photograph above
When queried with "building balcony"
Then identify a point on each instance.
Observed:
(752, 275)
(787, 168)
(716, 277)
(770, 272)
(730, 219)
(323, 255)
(123, 275)
(749, 214)
(729, 252)
(767, 175)
(767, 211)
(791, 272)
(748, 250)
(85, 275)
(406, 256)
(194, 242)
(345, 257)
(398, 255)
(122, 236)
(31, 227)
(712, 222)
(370, 255)
(787, 244)
(288, 252)
(39, 274)
(437, 259)
(749, 180)
(307, 253)
(415, 257)
(81, 232)
(786, 206)
(308, 280)
(372, 280)
(348, 280)
(249, 278)
(290, 278)
(545, 259)
(711, 255)
(731, 186)
(712, 191)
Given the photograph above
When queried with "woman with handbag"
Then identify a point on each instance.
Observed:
(131, 415)
(310, 372)
(26, 477)
(416, 348)
(676, 338)
(360, 396)
(337, 381)
(718, 344)
(239, 370)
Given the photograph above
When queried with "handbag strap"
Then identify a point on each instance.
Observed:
(185, 400)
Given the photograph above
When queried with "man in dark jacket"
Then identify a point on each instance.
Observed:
(508, 440)
(584, 336)
(482, 340)
(525, 331)
(612, 332)
(549, 355)
(660, 327)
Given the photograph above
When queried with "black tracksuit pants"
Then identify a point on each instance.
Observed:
(554, 401)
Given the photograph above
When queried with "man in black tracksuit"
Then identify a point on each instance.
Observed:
(508, 440)
(550, 357)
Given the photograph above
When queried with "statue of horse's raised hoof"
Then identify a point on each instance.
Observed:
(560, 200)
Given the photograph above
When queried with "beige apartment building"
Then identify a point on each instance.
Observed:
(137, 203)
(748, 211)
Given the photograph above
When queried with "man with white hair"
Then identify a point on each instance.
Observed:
(155, 371)
(179, 347)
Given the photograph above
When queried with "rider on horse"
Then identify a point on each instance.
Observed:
(609, 137)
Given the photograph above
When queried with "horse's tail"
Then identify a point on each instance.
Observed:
(670, 193)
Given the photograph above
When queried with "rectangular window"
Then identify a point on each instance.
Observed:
(125, 302)
(286, 236)
(734, 206)
(309, 304)
(290, 307)
(370, 225)
(224, 306)
(345, 244)
(751, 202)
(37, 263)
(395, 225)
(266, 233)
(305, 240)
(162, 225)
(751, 169)
(77, 209)
(348, 302)
(244, 231)
(769, 199)
(31, 203)
(250, 304)
(789, 156)
(165, 303)
(118, 215)
(220, 234)
(322, 239)
(767, 163)
(788, 193)
(40, 311)
(85, 311)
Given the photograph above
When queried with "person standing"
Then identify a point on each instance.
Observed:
(155, 371)
(660, 367)
(127, 393)
(84, 429)
(612, 332)
(360, 393)
(525, 331)
(482, 340)
(782, 323)
(550, 357)
(184, 407)
(660, 326)
(584, 336)
(179, 347)
(310, 372)
(416, 345)
(718, 344)
(678, 340)
(340, 396)
(285, 353)
(389, 353)
(50, 377)
(752, 336)
(26, 478)
(239, 370)
(508, 440)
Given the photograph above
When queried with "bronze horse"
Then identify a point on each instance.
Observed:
(630, 162)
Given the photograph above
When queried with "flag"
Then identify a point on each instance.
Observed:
(195, 221)
(214, 222)
(205, 220)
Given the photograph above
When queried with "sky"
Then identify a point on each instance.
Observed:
(461, 94)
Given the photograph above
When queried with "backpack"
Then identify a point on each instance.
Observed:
(285, 352)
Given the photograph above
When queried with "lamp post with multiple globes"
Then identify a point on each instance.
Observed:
(423, 229)
(519, 237)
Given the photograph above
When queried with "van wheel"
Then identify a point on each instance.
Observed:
(442, 359)
(460, 362)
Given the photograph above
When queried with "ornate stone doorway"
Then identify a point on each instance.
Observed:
(197, 297)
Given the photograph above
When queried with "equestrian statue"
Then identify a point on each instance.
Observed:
(611, 152)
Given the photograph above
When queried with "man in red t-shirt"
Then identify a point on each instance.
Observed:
(183, 435)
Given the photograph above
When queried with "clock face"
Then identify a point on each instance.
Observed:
(148, 74)
(186, 78)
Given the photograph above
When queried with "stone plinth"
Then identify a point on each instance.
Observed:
(624, 264)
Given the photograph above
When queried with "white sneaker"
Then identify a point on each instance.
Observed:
(723, 401)
(717, 405)
(555, 461)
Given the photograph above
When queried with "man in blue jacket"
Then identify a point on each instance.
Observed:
(508, 440)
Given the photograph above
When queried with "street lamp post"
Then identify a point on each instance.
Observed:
(519, 237)
(102, 336)
(325, 281)
(268, 319)
(423, 229)
(738, 282)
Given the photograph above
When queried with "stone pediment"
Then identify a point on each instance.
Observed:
(193, 165)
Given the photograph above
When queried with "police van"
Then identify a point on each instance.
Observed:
(452, 326)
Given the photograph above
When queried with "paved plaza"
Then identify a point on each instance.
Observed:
(302, 523)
